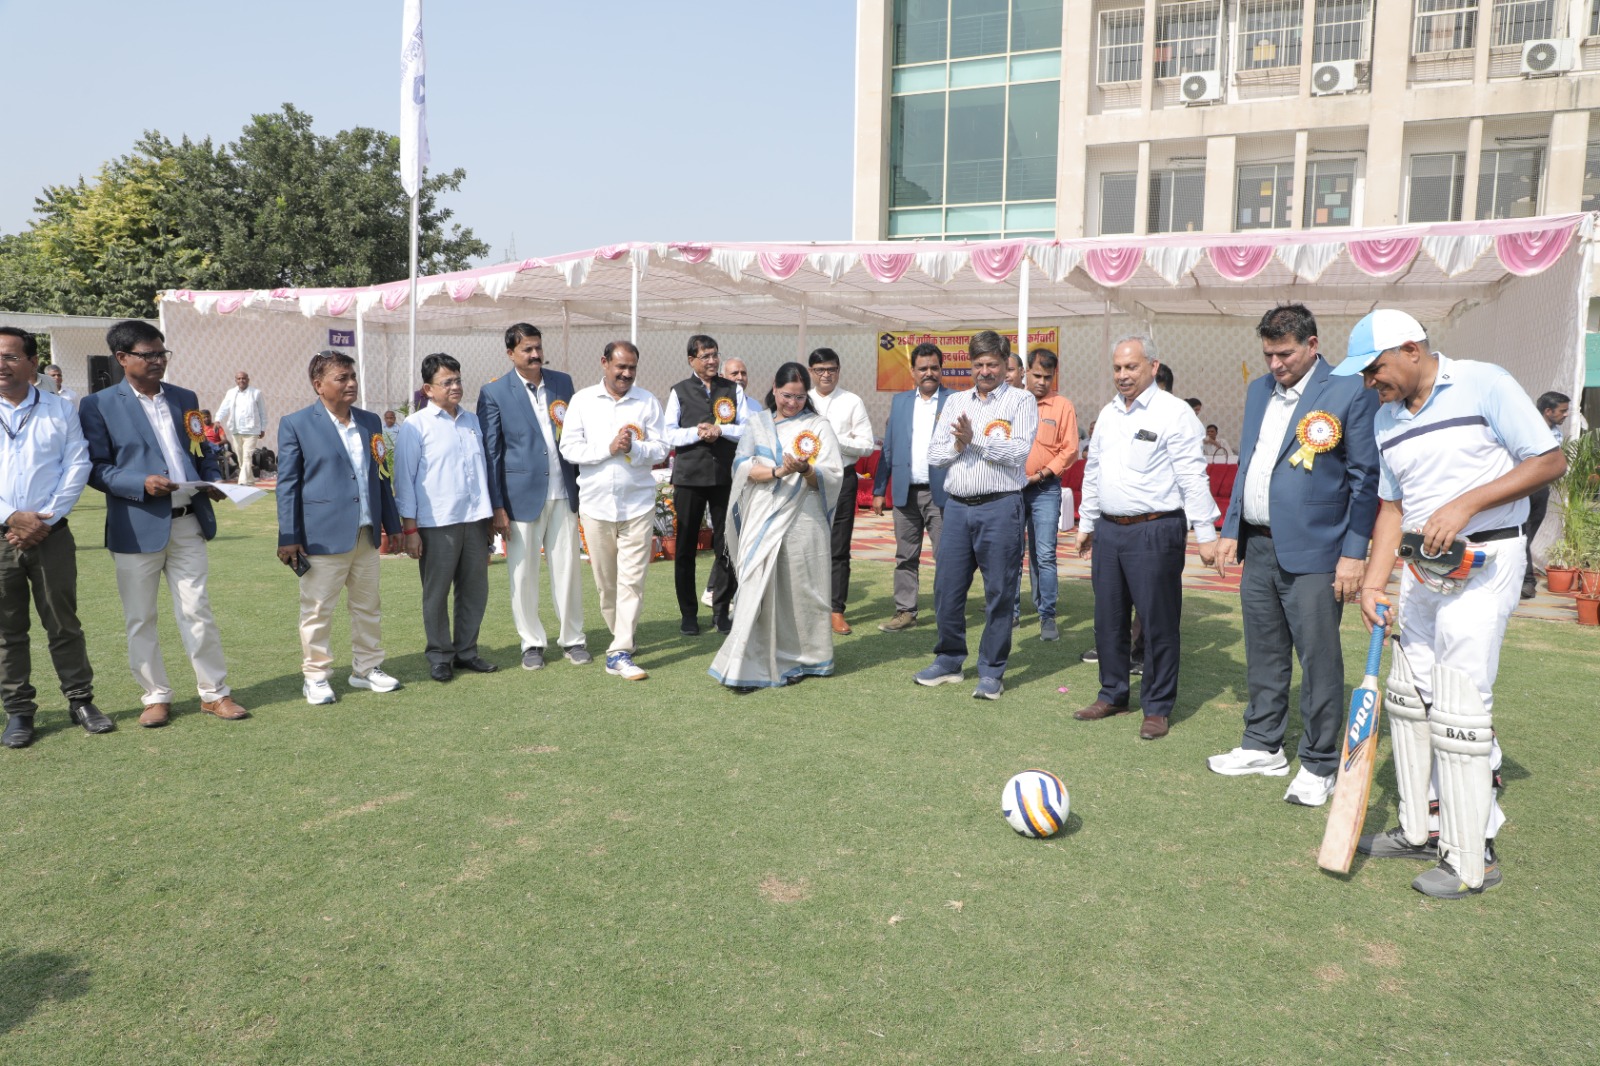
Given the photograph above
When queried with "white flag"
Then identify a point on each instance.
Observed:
(413, 100)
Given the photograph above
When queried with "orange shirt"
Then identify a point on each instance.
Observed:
(1056, 444)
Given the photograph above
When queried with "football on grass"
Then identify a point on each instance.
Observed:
(1034, 803)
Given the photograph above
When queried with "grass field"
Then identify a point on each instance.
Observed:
(560, 867)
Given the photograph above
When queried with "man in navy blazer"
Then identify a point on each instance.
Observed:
(147, 448)
(919, 495)
(534, 492)
(1301, 515)
(335, 499)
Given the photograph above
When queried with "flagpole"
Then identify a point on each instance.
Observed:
(413, 300)
(413, 139)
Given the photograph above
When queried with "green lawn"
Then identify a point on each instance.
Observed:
(562, 867)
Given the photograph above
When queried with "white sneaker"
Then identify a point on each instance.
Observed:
(318, 693)
(1309, 789)
(707, 599)
(621, 664)
(1241, 761)
(376, 680)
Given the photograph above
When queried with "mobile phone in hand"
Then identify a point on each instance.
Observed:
(300, 565)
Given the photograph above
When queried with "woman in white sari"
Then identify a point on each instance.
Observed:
(786, 478)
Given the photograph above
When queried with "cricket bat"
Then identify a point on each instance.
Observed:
(1348, 808)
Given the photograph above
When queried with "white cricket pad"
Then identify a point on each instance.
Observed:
(1413, 751)
(1463, 737)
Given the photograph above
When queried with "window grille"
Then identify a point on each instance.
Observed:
(1516, 21)
(1186, 37)
(1121, 45)
(1435, 192)
(1269, 34)
(1445, 25)
(1340, 31)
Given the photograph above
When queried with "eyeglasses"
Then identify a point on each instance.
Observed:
(824, 370)
(712, 354)
(450, 383)
(154, 357)
(11, 359)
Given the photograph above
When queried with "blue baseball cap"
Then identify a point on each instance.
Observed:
(1377, 333)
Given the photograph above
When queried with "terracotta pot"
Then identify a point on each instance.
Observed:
(705, 540)
(1589, 610)
(1591, 582)
(1560, 578)
(669, 547)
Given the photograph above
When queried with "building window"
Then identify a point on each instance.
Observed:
(1269, 34)
(920, 28)
(1594, 19)
(1186, 37)
(1117, 195)
(1591, 179)
(975, 150)
(978, 27)
(916, 150)
(1508, 182)
(1516, 21)
(1340, 31)
(1121, 45)
(1032, 124)
(1035, 24)
(1177, 201)
(1330, 193)
(1436, 183)
(1264, 191)
(1446, 25)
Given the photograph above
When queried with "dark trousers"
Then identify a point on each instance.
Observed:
(1288, 615)
(455, 557)
(1538, 507)
(985, 538)
(46, 574)
(920, 515)
(844, 528)
(1139, 566)
(691, 503)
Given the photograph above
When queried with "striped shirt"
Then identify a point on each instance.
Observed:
(1003, 427)
(1475, 425)
(1145, 458)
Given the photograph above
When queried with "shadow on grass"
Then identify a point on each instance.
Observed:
(34, 978)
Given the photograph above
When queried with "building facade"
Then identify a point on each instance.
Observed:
(979, 119)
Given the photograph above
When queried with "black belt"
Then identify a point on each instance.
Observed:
(1135, 519)
(180, 512)
(1487, 535)
(1251, 529)
(988, 497)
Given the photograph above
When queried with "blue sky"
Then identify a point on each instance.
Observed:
(579, 124)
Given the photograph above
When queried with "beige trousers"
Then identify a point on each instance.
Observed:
(355, 572)
(556, 532)
(244, 446)
(139, 580)
(619, 553)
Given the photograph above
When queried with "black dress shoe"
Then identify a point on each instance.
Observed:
(690, 627)
(88, 715)
(19, 731)
(724, 622)
(442, 672)
(476, 665)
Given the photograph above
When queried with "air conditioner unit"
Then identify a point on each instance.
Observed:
(1546, 57)
(1337, 76)
(1201, 87)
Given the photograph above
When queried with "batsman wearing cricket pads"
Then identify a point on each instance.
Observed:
(1460, 447)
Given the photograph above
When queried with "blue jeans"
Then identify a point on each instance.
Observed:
(985, 538)
(1042, 504)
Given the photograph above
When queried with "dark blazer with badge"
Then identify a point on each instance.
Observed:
(1328, 512)
(124, 451)
(894, 465)
(516, 456)
(319, 506)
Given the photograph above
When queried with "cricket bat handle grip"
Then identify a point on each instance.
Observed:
(1375, 644)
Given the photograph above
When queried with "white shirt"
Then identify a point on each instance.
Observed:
(179, 464)
(1161, 471)
(1269, 442)
(848, 416)
(243, 412)
(924, 413)
(614, 488)
(1003, 428)
(43, 468)
(355, 446)
(678, 436)
(440, 477)
(72, 397)
(539, 397)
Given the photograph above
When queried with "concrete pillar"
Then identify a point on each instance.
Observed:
(1470, 172)
(1386, 164)
(1567, 159)
(1221, 153)
(1072, 154)
(1297, 198)
(1141, 192)
(869, 208)
(1147, 69)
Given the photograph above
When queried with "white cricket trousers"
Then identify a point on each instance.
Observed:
(184, 562)
(556, 532)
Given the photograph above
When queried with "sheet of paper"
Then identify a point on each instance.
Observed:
(241, 495)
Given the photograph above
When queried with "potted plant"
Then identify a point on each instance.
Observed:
(1574, 496)
(1561, 568)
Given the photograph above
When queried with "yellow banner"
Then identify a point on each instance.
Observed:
(894, 354)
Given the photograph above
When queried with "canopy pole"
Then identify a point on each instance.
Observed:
(566, 335)
(1105, 332)
(800, 338)
(633, 307)
(361, 364)
(413, 300)
(1022, 314)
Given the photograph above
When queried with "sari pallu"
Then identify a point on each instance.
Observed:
(779, 543)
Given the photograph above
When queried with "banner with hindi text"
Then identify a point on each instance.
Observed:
(894, 354)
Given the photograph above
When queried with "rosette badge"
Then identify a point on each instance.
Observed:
(724, 410)
(195, 425)
(382, 456)
(999, 429)
(1318, 432)
(806, 446)
(637, 432)
(558, 414)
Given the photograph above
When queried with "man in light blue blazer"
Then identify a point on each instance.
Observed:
(1300, 518)
(919, 495)
(534, 492)
(147, 451)
(335, 500)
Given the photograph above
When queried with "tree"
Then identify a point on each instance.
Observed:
(282, 206)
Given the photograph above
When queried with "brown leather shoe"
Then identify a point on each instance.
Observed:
(1100, 709)
(155, 715)
(840, 626)
(225, 708)
(1155, 727)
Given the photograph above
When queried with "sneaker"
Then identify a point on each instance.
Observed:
(1136, 668)
(936, 675)
(1048, 629)
(1090, 656)
(622, 665)
(578, 655)
(318, 693)
(375, 680)
(1442, 882)
(989, 688)
(1242, 761)
(901, 620)
(1530, 589)
(1392, 844)
(1309, 789)
(533, 658)
(707, 598)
